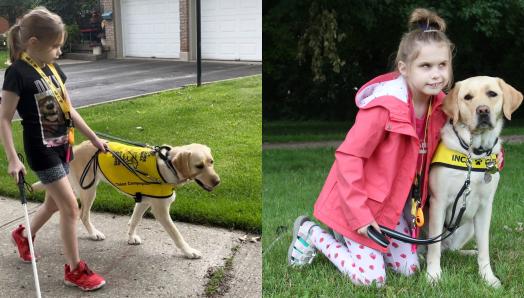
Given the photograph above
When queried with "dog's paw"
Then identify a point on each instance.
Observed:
(97, 236)
(468, 252)
(134, 240)
(492, 280)
(192, 253)
(433, 277)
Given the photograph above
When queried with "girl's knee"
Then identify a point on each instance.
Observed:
(360, 277)
(362, 280)
(70, 211)
(407, 269)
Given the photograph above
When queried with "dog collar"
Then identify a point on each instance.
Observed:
(477, 151)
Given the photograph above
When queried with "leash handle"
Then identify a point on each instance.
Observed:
(21, 187)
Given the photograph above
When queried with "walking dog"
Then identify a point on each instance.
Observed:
(148, 174)
(476, 108)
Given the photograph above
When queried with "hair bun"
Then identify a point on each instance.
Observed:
(425, 19)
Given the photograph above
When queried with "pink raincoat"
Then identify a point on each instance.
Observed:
(375, 165)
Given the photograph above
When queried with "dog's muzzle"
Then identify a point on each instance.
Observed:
(215, 182)
(483, 117)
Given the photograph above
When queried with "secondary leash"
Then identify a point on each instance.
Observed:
(22, 185)
(450, 229)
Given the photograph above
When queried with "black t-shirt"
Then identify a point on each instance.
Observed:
(45, 130)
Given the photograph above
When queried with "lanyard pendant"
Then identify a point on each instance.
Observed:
(419, 217)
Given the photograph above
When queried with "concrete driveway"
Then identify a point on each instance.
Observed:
(156, 268)
(105, 80)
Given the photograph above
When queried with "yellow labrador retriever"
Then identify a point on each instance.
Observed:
(174, 166)
(476, 107)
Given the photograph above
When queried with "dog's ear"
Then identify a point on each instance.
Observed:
(512, 98)
(450, 105)
(181, 163)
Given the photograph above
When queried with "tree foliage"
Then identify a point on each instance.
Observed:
(71, 11)
(317, 53)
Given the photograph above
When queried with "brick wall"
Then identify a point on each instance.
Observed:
(107, 5)
(184, 29)
(4, 25)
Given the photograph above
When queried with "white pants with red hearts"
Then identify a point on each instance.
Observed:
(364, 265)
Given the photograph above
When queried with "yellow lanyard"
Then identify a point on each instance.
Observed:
(64, 104)
(416, 209)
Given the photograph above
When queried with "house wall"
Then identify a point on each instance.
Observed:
(4, 25)
(111, 44)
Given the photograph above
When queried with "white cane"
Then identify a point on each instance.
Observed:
(21, 187)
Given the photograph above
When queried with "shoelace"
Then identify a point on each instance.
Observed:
(87, 270)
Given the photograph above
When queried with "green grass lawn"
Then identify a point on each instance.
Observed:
(226, 116)
(292, 182)
(308, 131)
(3, 59)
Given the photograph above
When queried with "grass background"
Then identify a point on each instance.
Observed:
(226, 116)
(292, 182)
(3, 59)
(310, 131)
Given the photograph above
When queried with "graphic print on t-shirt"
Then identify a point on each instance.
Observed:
(52, 121)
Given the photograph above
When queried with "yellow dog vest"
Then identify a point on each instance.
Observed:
(146, 181)
(456, 160)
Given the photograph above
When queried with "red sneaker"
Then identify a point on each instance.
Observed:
(83, 277)
(22, 244)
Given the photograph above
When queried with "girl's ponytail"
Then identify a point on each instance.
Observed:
(14, 43)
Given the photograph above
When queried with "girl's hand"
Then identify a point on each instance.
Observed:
(364, 230)
(98, 143)
(15, 167)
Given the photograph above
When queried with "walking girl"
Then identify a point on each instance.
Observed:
(34, 87)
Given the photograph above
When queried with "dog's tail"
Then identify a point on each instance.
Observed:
(38, 186)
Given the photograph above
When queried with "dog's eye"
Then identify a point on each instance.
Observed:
(492, 93)
(468, 97)
(211, 162)
(200, 166)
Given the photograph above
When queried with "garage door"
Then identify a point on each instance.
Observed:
(151, 28)
(232, 29)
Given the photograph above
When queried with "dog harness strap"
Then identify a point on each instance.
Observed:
(138, 197)
(452, 159)
(167, 161)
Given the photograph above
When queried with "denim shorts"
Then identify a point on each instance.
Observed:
(53, 174)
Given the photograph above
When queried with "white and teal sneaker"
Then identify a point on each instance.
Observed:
(301, 251)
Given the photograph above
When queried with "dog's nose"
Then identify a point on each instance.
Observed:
(482, 110)
(216, 182)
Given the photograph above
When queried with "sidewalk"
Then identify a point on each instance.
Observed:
(153, 269)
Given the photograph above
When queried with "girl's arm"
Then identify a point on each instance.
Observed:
(82, 126)
(7, 111)
(366, 134)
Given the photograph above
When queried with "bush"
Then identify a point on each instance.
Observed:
(317, 53)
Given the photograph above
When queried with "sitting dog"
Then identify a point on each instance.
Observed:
(149, 175)
(476, 107)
